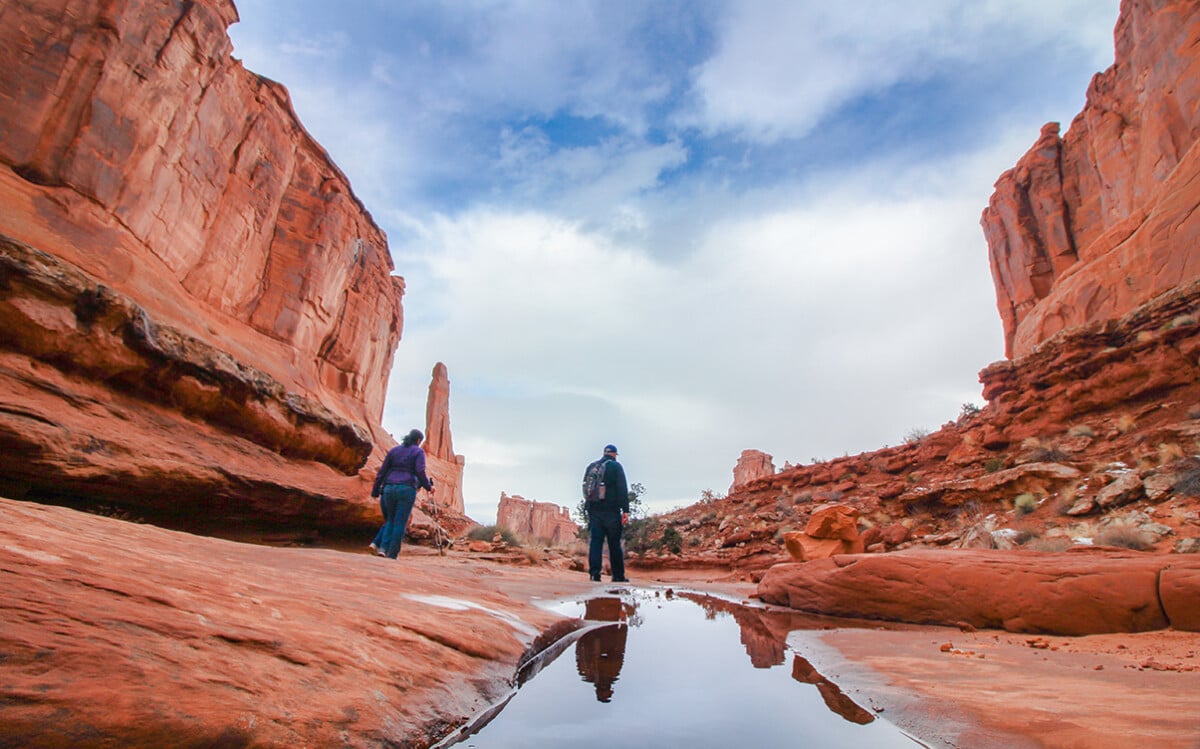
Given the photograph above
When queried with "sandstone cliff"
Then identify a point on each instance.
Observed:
(197, 315)
(536, 520)
(1091, 432)
(1090, 225)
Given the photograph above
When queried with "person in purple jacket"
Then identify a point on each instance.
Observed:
(396, 484)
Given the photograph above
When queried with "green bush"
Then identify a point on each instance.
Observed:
(1025, 503)
(991, 465)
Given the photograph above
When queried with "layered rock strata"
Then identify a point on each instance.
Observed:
(1090, 225)
(536, 520)
(751, 465)
(195, 303)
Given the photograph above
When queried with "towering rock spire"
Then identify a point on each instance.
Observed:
(443, 465)
(438, 442)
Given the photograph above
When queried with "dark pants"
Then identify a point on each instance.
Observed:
(397, 503)
(605, 525)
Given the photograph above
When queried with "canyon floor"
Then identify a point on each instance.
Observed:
(115, 633)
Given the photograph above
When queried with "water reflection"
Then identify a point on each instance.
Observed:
(600, 652)
(652, 668)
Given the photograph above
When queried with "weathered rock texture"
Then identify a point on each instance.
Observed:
(197, 315)
(1089, 226)
(751, 465)
(1080, 593)
(118, 634)
(541, 520)
(442, 464)
(832, 529)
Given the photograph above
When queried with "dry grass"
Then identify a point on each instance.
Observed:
(1124, 537)
(1081, 430)
(1125, 423)
(1050, 543)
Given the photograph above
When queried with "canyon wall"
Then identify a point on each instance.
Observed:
(541, 520)
(1090, 225)
(197, 315)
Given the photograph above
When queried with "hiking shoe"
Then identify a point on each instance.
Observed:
(620, 579)
(595, 578)
(381, 553)
(373, 547)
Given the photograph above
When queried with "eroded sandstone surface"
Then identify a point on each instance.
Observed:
(119, 634)
(1094, 223)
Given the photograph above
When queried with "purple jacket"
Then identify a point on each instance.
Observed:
(402, 465)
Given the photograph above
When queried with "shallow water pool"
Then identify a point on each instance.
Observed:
(656, 668)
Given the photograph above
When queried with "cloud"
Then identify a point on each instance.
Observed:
(809, 322)
(784, 67)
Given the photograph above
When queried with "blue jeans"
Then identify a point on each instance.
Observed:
(397, 504)
(605, 525)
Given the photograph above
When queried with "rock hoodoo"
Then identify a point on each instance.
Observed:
(1090, 225)
(542, 520)
(751, 465)
(442, 464)
(197, 315)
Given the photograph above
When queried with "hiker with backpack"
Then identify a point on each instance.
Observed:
(607, 497)
(402, 473)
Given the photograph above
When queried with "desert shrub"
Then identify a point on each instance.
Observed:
(1051, 543)
(1169, 452)
(671, 540)
(708, 496)
(1025, 503)
(968, 412)
(1046, 455)
(488, 532)
(1188, 483)
(991, 465)
(916, 434)
(1125, 423)
(1081, 430)
(1125, 537)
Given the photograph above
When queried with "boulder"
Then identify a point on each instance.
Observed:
(1072, 593)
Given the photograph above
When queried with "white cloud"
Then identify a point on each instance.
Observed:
(784, 67)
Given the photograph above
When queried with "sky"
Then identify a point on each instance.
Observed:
(685, 228)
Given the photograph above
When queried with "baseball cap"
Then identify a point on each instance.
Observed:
(610, 448)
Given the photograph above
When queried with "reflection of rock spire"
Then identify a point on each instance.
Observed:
(438, 442)
(835, 699)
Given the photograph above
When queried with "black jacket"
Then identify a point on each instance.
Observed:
(616, 490)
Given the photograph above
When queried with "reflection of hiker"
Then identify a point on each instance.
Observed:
(607, 511)
(402, 473)
(600, 653)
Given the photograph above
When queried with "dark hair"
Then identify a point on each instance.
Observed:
(412, 438)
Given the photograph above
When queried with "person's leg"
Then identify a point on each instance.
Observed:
(387, 503)
(377, 545)
(595, 545)
(616, 552)
(406, 497)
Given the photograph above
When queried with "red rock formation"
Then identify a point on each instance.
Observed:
(182, 264)
(1089, 226)
(443, 465)
(120, 634)
(1072, 594)
(831, 529)
(751, 465)
(541, 520)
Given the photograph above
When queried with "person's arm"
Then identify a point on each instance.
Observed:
(621, 487)
(419, 467)
(377, 487)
